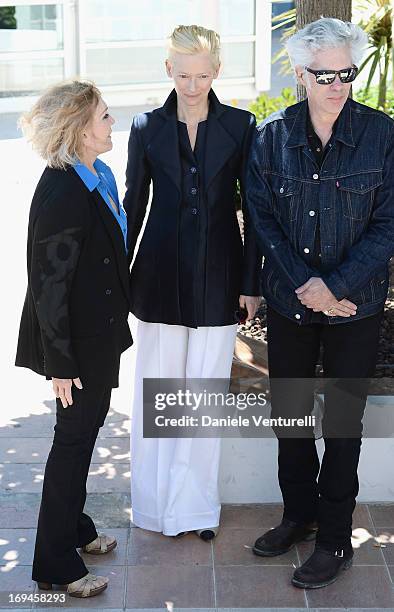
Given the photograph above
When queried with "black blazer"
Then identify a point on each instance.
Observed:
(74, 320)
(153, 156)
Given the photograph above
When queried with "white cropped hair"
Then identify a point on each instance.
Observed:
(326, 33)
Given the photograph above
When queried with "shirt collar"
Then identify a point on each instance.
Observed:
(311, 132)
(91, 180)
(343, 130)
(170, 105)
(343, 127)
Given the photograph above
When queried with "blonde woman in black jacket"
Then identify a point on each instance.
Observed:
(74, 322)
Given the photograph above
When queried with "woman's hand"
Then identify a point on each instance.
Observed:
(251, 303)
(62, 389)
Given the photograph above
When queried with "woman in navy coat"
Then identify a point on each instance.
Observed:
(191, 273)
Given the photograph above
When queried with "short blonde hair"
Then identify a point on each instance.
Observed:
(56, 122)
(193, 39)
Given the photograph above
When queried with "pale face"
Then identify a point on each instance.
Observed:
(192, 76)
(328, 99)
(97, 134)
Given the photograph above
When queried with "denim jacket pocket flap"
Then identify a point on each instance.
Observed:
(285, 192)
(361, 183)
(284, 187)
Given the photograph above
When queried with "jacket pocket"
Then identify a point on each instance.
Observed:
(374, 291)
(285, 194)
(379, 288)
(358, 194)
(274, 286)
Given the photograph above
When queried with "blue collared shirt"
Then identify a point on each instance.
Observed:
(106, 186)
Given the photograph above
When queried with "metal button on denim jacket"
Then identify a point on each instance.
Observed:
(351, 198)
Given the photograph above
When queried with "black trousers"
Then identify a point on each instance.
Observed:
(62, 525)
(349, 352)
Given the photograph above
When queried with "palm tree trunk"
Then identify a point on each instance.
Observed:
(310, 10)
(383, 81)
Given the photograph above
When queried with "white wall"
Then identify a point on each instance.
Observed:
(248, 470)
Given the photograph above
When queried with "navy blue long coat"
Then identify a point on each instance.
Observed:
(232, 268)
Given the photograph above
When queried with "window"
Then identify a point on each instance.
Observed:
(31, 47)
(125, 42)
(30, 28)
(121, 44)
(21, 77)
(125, 20)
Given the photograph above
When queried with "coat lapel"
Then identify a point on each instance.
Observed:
(219, 147)
(116, 236)
(164, 148)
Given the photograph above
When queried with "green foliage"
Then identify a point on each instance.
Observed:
(379, 27)
(370, 97)
(7, 18)
(264, 105)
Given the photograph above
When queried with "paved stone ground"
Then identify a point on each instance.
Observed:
(147, 569)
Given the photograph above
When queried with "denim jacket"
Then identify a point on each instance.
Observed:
(351, 197)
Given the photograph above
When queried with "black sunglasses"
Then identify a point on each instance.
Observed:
(326, 77)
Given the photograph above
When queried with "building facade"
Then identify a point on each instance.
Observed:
(121, 45)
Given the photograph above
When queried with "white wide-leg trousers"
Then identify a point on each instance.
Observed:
(174, 481)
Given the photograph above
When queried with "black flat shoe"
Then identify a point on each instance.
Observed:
(207, 534)
(283, 538)
(322, 568)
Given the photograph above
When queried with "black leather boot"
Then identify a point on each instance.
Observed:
(323, 567)
(283, 538)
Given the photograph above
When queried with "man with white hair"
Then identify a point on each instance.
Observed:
(321, 196)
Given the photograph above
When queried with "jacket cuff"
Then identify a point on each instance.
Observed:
(251, 291)
(57, 365)
(61, 372)
(336, 285)
(251, 281)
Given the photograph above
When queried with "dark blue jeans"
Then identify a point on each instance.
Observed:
(349, 352)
